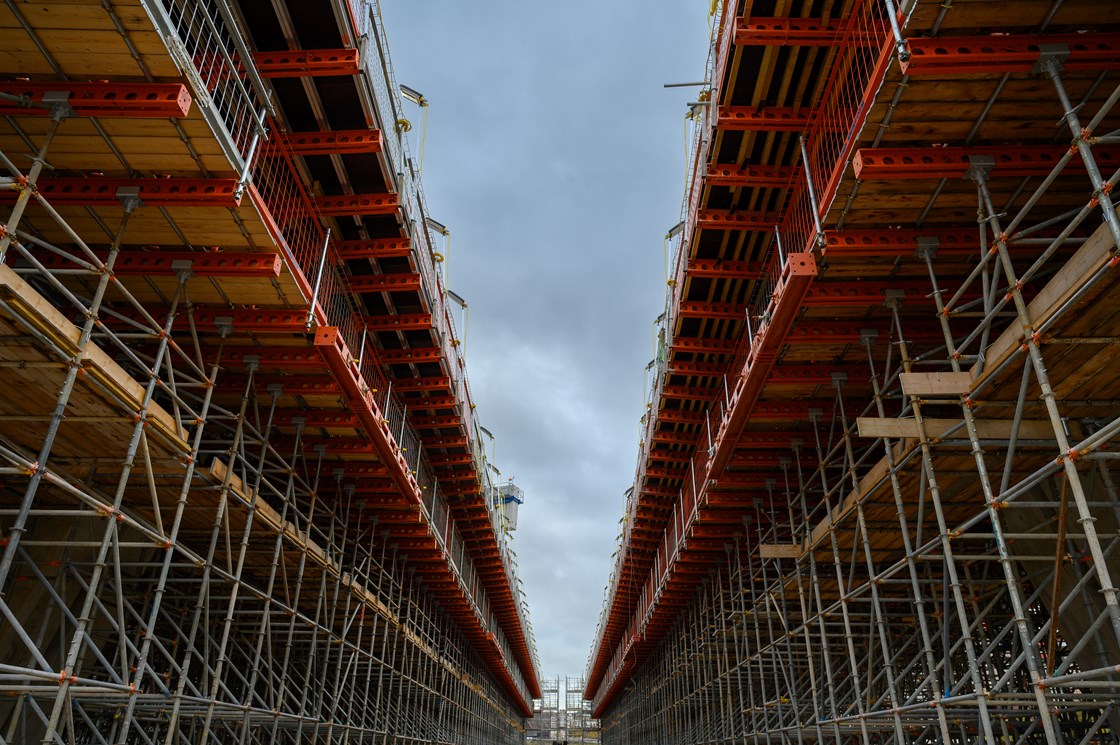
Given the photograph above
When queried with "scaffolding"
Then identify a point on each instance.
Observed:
(243, 495)
(874, 502)
(561, 716)
(581, 726)
(547, 722)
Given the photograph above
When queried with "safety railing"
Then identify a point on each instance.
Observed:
(379, 71)
(282, 199)
(212, 53)
(854, 81)
(723, 15)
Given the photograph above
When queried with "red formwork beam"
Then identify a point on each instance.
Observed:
(665, 456)
(662, 492)
(252, 320)
(439, 461)
(715, 310)
(153, 192)
(345, 447)
(674, 438)
(437, 422)
(828, 333)
(399, 322)
(316, 418)
(888, 163)
(432, 402)
(786, 411)
(769, 119)
(357, 205)
(471, 490)
(703, 345)
(290, 385)
(405, 356)
(782, 32)
(377, 248)
(754, 177)
(385, 282)
(657, 472)
(336, 142)
(381, 490)
(429, 383)
(674, 416)
(284, 358)
(1009, 53)
(730, 220)
(888, 243)
(140, 261)
(689, 393)
(767, 460)
(811, 374)
(719, 269)
(445, 442)
(710, 369)
(838, 294)
(142, 100)
(303, 63)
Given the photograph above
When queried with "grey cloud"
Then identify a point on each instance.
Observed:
(556, 158)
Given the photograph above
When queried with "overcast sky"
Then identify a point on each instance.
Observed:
(556, 158)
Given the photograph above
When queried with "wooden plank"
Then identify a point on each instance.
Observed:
(1094, 254)
(879, 474)
(55, 326)
(163, 142)
(936, 384)
(75, 16)
(779, 550)
(987, 429)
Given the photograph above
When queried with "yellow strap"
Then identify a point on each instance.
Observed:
(423, 134)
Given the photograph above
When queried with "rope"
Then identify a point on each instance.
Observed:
(423, 134)
(669, 279)
(447, 259)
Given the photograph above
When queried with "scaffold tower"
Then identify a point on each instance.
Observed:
(874, 500)
(244, 494)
